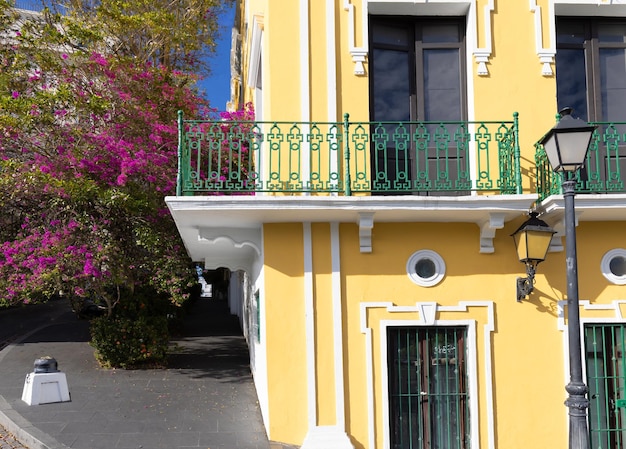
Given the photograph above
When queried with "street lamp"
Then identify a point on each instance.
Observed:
(566, 146)
(532, 240)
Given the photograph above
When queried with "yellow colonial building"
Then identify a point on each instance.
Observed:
(366, 217)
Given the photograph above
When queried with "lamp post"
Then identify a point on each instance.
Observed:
(566, 146)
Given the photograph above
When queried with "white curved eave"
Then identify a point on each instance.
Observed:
(226, 230)
(589, 207)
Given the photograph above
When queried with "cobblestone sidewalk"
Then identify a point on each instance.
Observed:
(8, 441)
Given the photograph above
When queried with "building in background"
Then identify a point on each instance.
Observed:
(366, 215)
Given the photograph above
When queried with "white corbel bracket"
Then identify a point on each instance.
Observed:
(366, 223)
(556, 244)
(546, 59)
(488, 231)
(482, 58)
(358, 57)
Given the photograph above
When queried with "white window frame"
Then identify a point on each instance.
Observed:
(436, 259)
(427, 316)
(605, 266)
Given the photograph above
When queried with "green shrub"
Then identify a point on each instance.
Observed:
(137, 333)
(123, 342)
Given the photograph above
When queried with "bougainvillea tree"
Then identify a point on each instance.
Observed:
(88, 144)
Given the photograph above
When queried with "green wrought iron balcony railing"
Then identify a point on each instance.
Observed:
(604, 170)
(392, 158)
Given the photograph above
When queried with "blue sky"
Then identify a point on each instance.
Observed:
(217, 86)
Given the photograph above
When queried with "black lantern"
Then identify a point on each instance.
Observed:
(567, 143)
(532, 240)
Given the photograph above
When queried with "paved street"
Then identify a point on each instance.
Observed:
(204, 398)
(21, 320)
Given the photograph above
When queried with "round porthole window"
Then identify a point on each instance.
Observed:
(426, 268)
(613, 266)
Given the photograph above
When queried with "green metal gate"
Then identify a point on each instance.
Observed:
(606, 379)
(428, 397)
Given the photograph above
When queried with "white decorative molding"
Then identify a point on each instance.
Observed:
(331, 66)
(427, 311)
(305, 87)
(613, 312)
(324, 437)
(309, 314)
(423, 7)
(212, 238)
(425, 314)
(337, 299)
(366, 224)
(482, 58)
(546, 54)
(254, 60)
(235, 249)
(331, 83)
(359, 54)
(488, 231)
(482, 55)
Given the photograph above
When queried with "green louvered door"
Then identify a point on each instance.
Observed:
(428, 398)
(606, 379)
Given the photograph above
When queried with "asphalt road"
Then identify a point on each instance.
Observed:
(18, 321)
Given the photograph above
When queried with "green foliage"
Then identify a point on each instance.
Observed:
(137, 333)
(123, 342)
(178, 34)
(88, 151)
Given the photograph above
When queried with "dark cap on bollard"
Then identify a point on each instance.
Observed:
(46, 364)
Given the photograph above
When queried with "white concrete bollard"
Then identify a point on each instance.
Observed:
(46, 384)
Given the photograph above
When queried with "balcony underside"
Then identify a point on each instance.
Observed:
(226, 230)
(589, 207)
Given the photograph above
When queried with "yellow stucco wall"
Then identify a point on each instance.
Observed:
(285, 330)
(515, 83)
(302, 91)
(526, 345)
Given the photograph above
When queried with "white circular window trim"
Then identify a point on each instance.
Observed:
(605, 266)
(436, 259)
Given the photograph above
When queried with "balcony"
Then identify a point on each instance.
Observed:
(600, 183)
(235, 177)
(348, 158)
